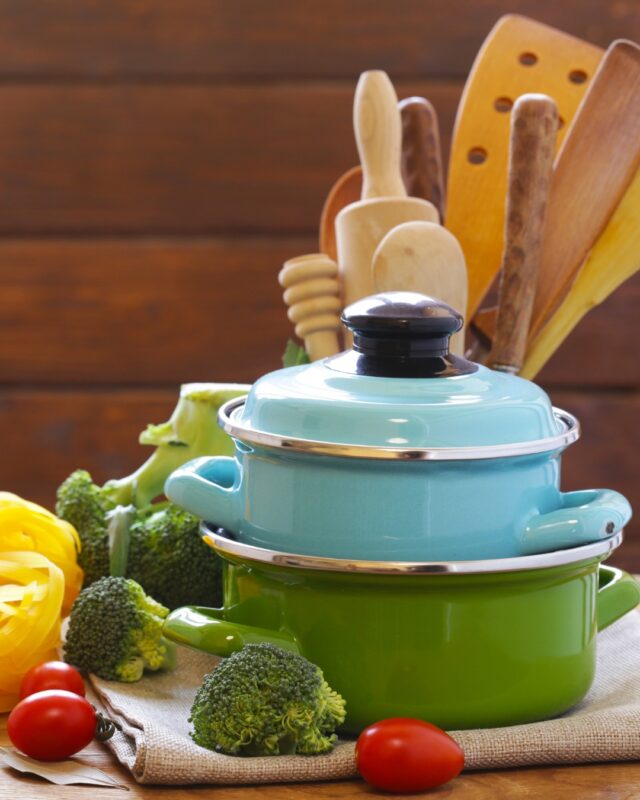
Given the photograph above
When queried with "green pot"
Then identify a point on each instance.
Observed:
(460, 644)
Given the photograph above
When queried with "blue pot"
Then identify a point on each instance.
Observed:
(397, 450)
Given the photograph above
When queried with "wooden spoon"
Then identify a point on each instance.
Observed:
(423, 257)
(347, 189)
(598, 160)
(534, 125)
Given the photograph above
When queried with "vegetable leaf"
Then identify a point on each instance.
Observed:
(294, 355)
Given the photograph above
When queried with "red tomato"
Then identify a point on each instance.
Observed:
(52, 675)
(407, 755)
(52, 725)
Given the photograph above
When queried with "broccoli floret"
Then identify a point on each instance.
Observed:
(159, 546)
(169, 558)
(264, 700)
(86, 506)
(192, 431)
(115, 631)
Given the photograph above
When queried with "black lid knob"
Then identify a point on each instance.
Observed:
(401, 334)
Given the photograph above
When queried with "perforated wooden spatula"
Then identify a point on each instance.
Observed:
(519, 56)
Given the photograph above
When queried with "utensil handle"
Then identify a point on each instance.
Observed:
(376, 122)
(206, 629)
(585, 516)
(534, 125)
(421, 153)
(209, 488)
(618, 594)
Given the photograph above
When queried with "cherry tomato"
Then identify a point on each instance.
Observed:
(407, 755)
(52, 675)
(52, 725)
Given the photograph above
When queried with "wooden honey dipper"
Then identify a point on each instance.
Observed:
(312, 295)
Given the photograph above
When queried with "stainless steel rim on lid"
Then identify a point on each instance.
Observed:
(558, 558)
(228, 413)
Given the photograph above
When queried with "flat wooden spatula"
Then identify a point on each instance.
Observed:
(423, 257)
(597, 161)
(615, 257)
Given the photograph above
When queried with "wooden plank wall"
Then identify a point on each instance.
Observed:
(159, 159)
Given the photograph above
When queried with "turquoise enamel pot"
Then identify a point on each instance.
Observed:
(397, 450)
(462, 645)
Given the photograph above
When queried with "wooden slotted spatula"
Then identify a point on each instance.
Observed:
(614, 258)
(519, 56)
(597, 161)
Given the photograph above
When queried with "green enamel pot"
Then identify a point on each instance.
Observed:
(465, 644)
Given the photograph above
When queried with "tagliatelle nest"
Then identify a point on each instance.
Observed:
(28, 527)
(31, 595)
(39, 580)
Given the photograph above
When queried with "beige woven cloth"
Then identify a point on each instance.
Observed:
(155, 743)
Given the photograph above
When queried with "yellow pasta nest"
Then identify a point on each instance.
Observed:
(39, 580)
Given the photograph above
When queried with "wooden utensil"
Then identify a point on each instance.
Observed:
(312, 294)
(347, 189)
(360, 226)
(423, 257)
(597, 161)
(614, 258)
(421, 169)
(518, 56)
(421, 153)
(534, 125)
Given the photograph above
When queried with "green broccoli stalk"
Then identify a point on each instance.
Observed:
(103, 515)
(264, 700)
(168, 557)
(191, 431)
(115, 631)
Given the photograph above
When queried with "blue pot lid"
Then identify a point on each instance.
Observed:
(400, 387)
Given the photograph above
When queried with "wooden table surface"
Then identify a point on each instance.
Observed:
(592, 782)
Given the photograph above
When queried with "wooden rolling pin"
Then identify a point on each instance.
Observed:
(422, 171)
(534, 125)
(312, 295)
(360, 226)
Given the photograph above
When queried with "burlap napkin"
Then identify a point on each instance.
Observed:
(155, 743)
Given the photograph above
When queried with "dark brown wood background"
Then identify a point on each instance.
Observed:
(159, 159)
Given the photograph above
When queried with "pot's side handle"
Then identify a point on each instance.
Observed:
(586, 516)
(618, 594)
(209, 488)
(206, 629)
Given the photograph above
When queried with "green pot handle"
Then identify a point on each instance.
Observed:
(618, 594)
(205, 629)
